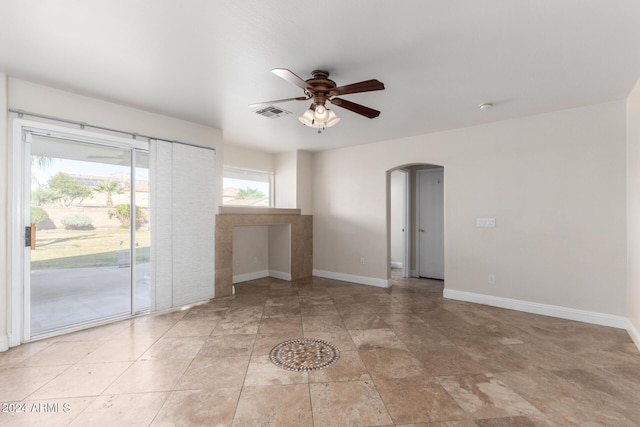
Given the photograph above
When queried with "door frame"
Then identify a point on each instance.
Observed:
(417, 215)
(19, 210)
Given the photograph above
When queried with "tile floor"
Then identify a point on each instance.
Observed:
(408, 358)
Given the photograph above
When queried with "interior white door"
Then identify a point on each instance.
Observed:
(431, 223)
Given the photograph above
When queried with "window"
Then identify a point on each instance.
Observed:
(246, 187)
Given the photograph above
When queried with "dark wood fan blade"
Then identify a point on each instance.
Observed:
(289, 76)
(356, 108)
(365, 86)
(300, 98)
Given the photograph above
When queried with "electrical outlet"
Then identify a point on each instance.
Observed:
(255, 259)
(492, 279)
(362, 260)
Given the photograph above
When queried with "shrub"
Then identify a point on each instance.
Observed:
(38, 215)
(123, 213)
(41, 219)
(76, 222)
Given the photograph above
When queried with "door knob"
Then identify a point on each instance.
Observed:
(422, 230)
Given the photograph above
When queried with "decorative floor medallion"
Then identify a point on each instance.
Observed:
(304, 354)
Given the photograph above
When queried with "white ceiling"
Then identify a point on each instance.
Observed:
(205, 61)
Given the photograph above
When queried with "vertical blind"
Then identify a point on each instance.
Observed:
(182, 224)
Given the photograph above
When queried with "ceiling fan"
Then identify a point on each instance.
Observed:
(321, 89)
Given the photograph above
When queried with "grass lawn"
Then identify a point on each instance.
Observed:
(85, 248)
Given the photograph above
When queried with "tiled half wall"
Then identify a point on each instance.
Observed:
(301, 244)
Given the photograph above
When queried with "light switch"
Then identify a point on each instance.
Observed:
(486, 222)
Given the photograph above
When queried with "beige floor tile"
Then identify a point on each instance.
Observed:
(99, 333)
(49, 412)
(149, 331)
(20, 382)
(484, 396)
(341, 338)
(262, 372)
(214, 372)
(322, 323)
(266, 342)
(82, 380)
(282, 405)
(279, 325)
(447, 360)
(363, 321)
(206, 314)
(496, 357)
(174, 348)
(149, 375)
(421, 337)
(391, 363)
(16, 355)
(228, 345)
(198, 408)
(62, 353)
(500, 365)
(238, 326)
(137, 409)
(369, 339)
(557, 396)
(418, 400)
(466, 423)
(281, 311)
(318, 310)
(192, 328)
(349, 403)
(516, 421)
(119, 350)
(349, 367)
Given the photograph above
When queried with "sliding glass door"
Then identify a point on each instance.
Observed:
(89, 239)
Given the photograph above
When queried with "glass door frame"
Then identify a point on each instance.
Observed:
(20, 216)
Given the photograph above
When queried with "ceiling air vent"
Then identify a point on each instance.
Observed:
(272, 112)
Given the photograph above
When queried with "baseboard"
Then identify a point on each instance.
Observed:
(362, 280)
(634, 333)
(237, 278)
(543, 309)
(4, 343)
(396, 264)
(279, 275)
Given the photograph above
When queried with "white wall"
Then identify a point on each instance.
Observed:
(280, 249)
(250, 250)
(246, 158)
(246, 245)
(5, 249)
(49, 101)
(397, 200)
(286, 179)
(633, 211)
(260, 251)
(554, 182)
(304, 182)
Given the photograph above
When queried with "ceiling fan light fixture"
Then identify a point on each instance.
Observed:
(307, 118)
(333, 119)
(329, 119)
(321, 114)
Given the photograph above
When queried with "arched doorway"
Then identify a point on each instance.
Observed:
(415, 221)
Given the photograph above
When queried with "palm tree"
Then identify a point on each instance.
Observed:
(109, 187)
(250, 193)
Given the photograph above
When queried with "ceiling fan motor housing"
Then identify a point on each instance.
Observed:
(321, 85)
